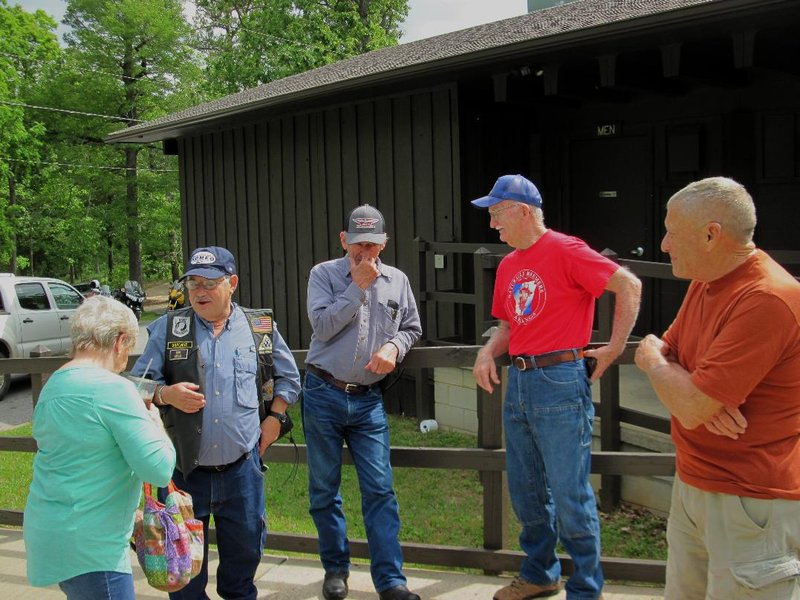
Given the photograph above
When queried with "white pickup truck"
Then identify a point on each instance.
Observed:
(34, 311)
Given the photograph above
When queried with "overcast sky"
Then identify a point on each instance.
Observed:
(426, 18)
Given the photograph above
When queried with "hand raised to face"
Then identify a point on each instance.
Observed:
(363, 272)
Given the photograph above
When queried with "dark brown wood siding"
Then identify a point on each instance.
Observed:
(276, 192)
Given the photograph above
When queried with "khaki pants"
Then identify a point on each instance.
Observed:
(724, 547)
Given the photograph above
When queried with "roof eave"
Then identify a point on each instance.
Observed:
(597, 34)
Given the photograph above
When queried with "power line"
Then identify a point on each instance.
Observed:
(72, 112)
(82, 70)
(99, 167)
(262, 34)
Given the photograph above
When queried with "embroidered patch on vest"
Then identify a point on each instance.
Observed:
(180, 326)
(187, 345)
(179, 354)
(261, 324)
(265, 347)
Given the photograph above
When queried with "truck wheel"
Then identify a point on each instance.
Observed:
(5, 378)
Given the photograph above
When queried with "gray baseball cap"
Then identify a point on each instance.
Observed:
(366, 224)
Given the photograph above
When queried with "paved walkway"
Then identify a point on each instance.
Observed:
(292, 578)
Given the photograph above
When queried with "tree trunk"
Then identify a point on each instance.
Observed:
(110, 244)
(173, 243)
(12, 200)
(132, 205)
(363, 12)
(131, 157)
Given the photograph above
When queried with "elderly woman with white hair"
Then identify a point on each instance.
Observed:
(97, 444)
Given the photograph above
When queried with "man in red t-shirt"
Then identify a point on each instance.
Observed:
(728, 370)
(544, 297)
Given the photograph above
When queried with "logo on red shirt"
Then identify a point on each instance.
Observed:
(526, 297)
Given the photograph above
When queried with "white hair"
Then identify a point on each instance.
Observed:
(722, 200)
(97, 323)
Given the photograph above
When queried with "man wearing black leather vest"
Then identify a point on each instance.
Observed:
(208, 360)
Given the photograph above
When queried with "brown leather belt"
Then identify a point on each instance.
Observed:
(221, 468)
(350, 388)
(548, 359)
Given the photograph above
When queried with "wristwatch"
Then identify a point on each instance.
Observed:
(280, 416)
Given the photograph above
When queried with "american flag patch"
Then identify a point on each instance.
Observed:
(261, 325)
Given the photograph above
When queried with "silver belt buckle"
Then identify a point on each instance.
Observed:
(519, 362)
(350, 385)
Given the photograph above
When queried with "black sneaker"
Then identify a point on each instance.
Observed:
(399, 592)
(335, 585)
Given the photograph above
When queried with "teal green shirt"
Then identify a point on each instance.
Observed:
(97, 444)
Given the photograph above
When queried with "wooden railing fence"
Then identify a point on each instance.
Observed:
(488, 459)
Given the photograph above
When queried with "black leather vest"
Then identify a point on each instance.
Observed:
(181, 363)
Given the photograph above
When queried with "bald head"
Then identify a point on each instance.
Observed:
(721, 200)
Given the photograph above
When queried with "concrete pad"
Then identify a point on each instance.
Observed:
(292, 578)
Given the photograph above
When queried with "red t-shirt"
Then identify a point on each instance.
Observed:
(547, 293)
(739, 337)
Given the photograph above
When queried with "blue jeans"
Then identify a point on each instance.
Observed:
(99, 585)
(548, 417)
(236, 499)
(331, 417)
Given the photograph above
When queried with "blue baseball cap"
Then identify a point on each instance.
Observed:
(511, 187)
(211, 262)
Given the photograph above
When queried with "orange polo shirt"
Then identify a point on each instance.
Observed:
(739, 337)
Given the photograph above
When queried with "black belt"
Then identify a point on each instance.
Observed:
(548, 359)
(221, 468)
(350, 388)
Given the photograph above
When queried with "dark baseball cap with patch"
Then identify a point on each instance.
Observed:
(366, 224)
(211, 262)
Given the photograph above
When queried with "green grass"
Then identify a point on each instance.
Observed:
(149, 316)
(437, 506)
(15, 472)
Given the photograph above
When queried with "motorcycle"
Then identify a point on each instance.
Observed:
(177, 297)
(89, 289)
(132, 295)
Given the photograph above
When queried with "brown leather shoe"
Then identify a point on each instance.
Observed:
(519, 589)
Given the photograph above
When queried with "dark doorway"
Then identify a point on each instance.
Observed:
(611, 202)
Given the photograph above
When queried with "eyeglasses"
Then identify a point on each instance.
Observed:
(493, 213)
(206, 284)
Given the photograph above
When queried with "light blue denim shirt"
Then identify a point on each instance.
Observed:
(230, 417)
(350, 324)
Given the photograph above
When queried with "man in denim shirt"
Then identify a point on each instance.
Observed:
(207, 358)
(364, 321)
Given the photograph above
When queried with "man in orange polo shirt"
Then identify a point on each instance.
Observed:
(728, 370)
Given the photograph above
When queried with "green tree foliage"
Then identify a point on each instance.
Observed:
(83, 209)
(77, 211)
(141, 44)
(250, 42)
(26, 46)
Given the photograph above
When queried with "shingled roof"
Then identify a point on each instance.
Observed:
(538, 31)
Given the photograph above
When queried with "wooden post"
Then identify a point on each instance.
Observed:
(610, 485)
(490, 422)
(425, 399)
(481, 266)
(38, 379)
